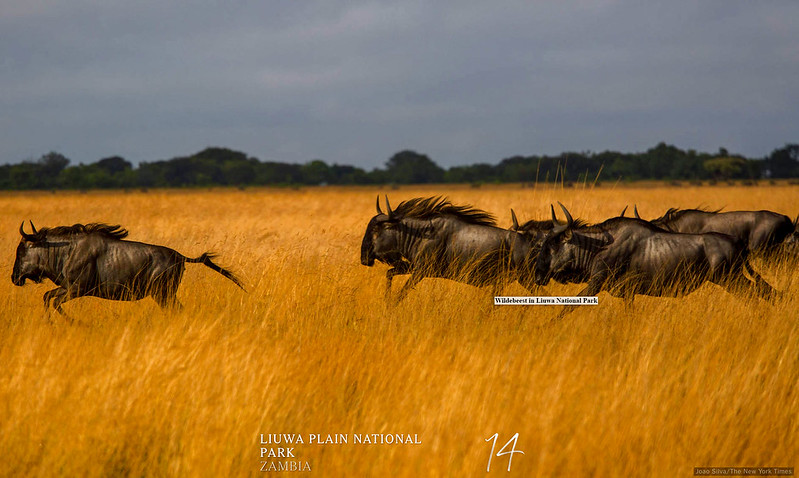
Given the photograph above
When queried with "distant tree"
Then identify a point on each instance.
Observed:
(239, 172)
(52, 163)
(475, 173)
(315, 172)
(114, 165)
(784, 162)
(725, 167)
(278, 173)
(50, 166)
(344, 174)
(410, 167)
(220, 155)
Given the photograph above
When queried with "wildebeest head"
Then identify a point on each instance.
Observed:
(532, 232)
(380, 238)
(556, 250)
(31, 256)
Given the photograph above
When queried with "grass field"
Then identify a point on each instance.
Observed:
(649, 390)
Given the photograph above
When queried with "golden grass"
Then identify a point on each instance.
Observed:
(655, 389)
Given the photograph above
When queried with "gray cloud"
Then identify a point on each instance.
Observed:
(353, 83)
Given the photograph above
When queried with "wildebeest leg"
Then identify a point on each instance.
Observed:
(629, 295)
(740, 286)
(592, 289)
(764, 289)
(49, 295)
(168, 301)
(402, 268)
(529, 284)
(409, 284)
(57, 296)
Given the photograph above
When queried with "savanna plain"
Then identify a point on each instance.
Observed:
(652, 389)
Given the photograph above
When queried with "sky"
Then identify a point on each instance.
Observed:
(355, 82)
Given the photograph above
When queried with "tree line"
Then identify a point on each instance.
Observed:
(225, 167)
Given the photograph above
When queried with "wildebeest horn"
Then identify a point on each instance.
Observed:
(33, 227)
(27, 237)
(377, 203)
(557, 226)
(515, 222)
(623, 211)
(388, 206)
(569, 219)
(635, 211)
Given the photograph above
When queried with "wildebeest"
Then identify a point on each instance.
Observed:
(431, 237)
(535, 231)
(761, 231)
(399, 266)
(94, 260)
(628, 256)
(532, 231)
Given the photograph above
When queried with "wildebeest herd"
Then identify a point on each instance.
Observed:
(430, 237)
(669, 256)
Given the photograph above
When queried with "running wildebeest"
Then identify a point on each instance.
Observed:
(761, 231)
(627, 256)
(94, 260)
(399, 266)
(535, 231)
(532, 231)
(431, 237)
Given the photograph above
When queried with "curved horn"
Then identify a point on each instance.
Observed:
(377, 203)
(388, 206)
(569, 219)
(623, 211)
(515, 222)
(26, 236)
(33, 227)
(635, 211)
(557, 226)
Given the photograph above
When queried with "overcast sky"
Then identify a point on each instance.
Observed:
(355, 82)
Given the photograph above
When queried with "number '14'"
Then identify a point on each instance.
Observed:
(502, 452)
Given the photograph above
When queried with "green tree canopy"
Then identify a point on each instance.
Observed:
(410, 167)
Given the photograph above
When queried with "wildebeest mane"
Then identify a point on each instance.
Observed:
(107, 230)
(675, 213)
(426, 208)
(547, 224)
(536, 225)
(612, 222)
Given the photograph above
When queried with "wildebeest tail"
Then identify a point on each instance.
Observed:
(206, 257)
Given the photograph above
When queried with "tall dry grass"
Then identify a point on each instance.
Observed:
(652, 389)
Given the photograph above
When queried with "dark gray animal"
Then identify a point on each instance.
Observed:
(399, 266)
(532, 231)
(431, 237)
(627, 256)
(761, 231)
(94, 260)
(535, 231)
